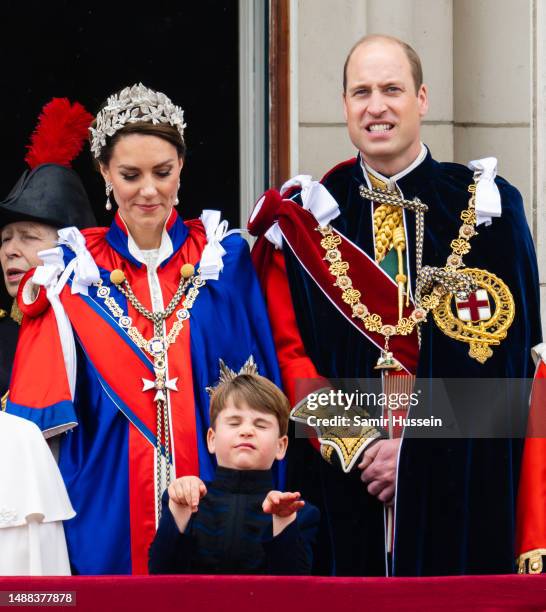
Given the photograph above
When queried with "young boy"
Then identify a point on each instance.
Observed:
(237, 524)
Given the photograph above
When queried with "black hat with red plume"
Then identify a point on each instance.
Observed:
(51, 192)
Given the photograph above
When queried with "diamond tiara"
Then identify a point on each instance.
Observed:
(132, 105)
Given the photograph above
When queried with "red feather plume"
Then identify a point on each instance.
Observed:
(60, 134)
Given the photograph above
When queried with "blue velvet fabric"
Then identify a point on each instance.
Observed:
(455, 498)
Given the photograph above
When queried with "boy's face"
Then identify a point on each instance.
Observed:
(246, 439)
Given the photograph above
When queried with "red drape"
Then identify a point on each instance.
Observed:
(280, 594)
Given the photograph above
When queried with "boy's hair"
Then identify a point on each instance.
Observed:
(258, 392)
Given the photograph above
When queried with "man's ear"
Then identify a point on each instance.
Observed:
(422, 100)
(282, 445)
(211, 441)
(344, 98)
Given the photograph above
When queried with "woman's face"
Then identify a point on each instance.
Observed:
(20, 243)
(145, 172)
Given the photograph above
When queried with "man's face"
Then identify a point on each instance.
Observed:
(20, 243)
(382, 109)
(246, 439)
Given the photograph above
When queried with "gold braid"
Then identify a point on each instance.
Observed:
(386, 219)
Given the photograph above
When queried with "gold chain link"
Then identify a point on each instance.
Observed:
(158, 319)
(351, 296)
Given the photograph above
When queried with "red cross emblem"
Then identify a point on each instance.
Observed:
(475, 308)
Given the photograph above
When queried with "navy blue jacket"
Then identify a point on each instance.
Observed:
(230, 533)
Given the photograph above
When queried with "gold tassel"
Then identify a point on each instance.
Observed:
(399, 243)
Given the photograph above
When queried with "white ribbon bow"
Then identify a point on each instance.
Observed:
(315, 198)
(274, 235)
(50, 275)
(538, 352)
(52, 267)
(211, 258)
(84, 267)
(488, 200)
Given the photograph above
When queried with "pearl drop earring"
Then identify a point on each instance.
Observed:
(176, 200)
(108, 188)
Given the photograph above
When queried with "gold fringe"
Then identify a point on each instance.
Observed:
(327, 452)
(531, 562)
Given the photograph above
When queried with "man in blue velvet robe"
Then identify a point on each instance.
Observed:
(453, 499)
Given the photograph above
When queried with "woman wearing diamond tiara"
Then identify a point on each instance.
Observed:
(154, 303)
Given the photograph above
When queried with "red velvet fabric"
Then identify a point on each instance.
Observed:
(280, 594)
(381, 296)
(293, 360)
(294, 363)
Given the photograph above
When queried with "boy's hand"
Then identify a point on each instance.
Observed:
(187, 491)
(184, 496)
(282, 504)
